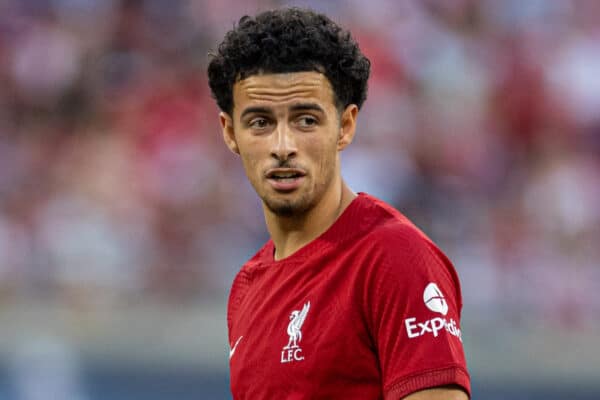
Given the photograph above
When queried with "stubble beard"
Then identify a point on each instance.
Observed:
(301, 203)
(289, 207)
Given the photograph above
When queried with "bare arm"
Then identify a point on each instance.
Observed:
(452, 392)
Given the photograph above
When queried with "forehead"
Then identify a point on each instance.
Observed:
(284, 89)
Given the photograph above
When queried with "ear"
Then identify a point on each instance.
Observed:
(347, 126)
(228, 133)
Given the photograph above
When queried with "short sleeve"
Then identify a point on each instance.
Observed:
(414, 305)
(236, 294)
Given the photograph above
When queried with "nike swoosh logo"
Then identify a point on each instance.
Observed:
(234, 347)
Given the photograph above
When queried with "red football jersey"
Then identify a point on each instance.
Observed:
(368, 310)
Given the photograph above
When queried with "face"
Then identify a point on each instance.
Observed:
(288, 133)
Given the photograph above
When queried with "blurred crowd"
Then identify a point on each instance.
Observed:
(482, 125)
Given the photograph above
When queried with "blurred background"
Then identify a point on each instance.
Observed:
(123, 218)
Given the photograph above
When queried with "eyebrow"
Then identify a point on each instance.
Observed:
(307, 107)
(255, 110)
(295, 107)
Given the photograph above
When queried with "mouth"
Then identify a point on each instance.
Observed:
(285, 179)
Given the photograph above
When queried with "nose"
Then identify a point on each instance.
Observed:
(284, 143)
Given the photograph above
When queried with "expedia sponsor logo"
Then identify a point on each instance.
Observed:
(435, 301)
(433, 326)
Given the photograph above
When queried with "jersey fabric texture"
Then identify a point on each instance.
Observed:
(368, 310)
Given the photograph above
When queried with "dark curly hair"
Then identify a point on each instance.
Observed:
(289, 40)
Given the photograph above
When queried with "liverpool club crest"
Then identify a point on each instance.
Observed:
(292, 351)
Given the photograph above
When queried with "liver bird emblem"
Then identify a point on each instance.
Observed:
(297, 318)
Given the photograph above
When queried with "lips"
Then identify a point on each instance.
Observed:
(285, 179)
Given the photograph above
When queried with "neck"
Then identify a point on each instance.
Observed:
(289, 234)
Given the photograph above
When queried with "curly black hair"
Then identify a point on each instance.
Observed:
(289, 40)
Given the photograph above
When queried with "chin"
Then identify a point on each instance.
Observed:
(283, 210)
(288, 208)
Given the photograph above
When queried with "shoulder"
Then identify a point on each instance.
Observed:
(382, 219)
(242, 280)
(398, 253)
(392, 234)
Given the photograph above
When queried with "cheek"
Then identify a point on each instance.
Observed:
(250, 165)
(324, 157)
(250, 160)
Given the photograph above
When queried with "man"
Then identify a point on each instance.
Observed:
(348, 300)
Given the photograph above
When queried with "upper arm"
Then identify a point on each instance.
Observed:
(414, 302)
(439, 393)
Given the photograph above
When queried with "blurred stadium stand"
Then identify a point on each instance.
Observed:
(123, 218)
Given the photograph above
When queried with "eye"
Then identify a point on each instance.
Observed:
(307, 121)
(258, 123)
